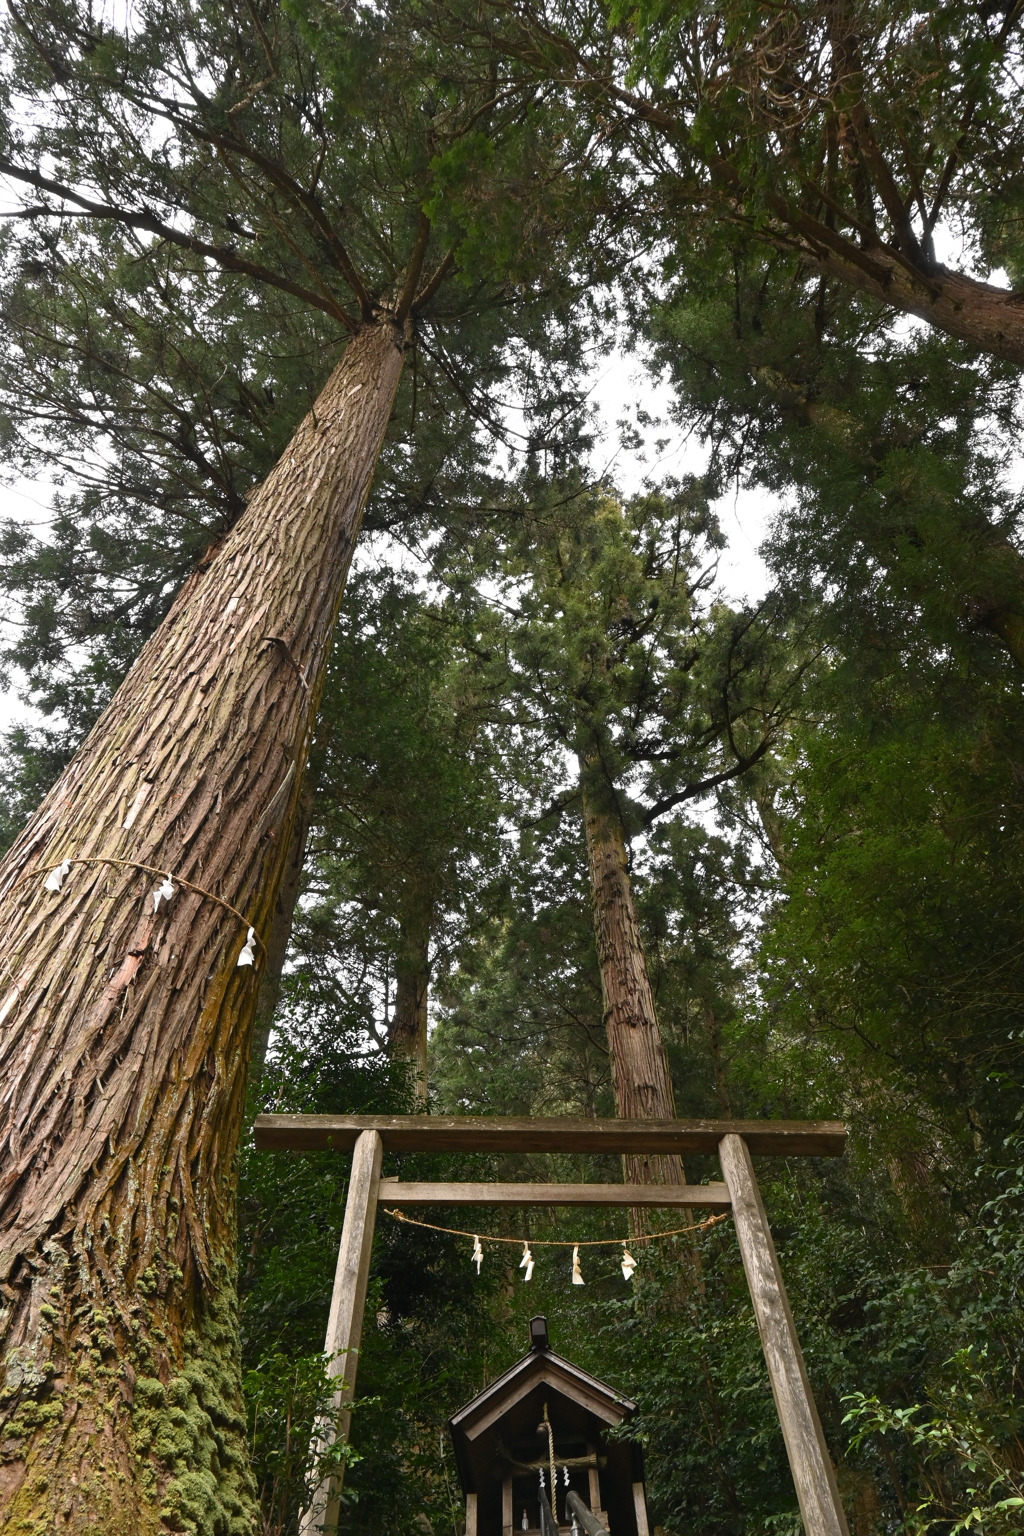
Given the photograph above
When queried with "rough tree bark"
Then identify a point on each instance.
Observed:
(269, 993)
(407, 1037)
(126, 1031)
(986, 317)
(640, 1075)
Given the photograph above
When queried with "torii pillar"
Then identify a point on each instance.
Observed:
(369, 1136)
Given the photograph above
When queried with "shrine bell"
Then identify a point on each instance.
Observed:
(546, 1409)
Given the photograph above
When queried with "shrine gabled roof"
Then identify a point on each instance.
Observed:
(541, 1365)
(512, 1404)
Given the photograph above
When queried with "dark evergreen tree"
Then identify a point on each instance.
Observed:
(614, 653)
(850, 137)
(339, 160)
(894, 465)
(406, 818)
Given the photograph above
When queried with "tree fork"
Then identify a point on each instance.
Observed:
(125, 1031)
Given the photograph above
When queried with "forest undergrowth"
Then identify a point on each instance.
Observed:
(530, 816)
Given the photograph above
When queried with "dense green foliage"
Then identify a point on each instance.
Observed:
(604, 642)
(205, 202)
(894, 455)
(864, 141)
(848, 946)
(822, 791)
(405, 839)
(876, 120)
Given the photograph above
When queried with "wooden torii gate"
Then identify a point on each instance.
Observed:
(369, 1136)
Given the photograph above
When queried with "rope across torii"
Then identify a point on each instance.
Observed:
(369, 1136)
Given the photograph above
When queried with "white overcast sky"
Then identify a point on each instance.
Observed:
(621, 384)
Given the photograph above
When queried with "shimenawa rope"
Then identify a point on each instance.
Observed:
(554, 1242)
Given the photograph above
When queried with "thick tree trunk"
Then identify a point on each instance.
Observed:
(1009, 626)
(126, 1031)
(998, 604)
(280, 933)
(640, 1076)
(986, 317)
(407, 1037)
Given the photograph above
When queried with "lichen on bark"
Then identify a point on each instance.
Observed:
(125, 1032)
(155, 1425)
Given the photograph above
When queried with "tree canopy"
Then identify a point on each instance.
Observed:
(860, 139)
(248, 240)
(211, 201)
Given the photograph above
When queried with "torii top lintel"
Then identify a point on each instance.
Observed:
(499, 1133)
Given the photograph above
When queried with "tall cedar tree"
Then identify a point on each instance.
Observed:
(337, 158)
(405, 839)
(613, 653)
(155, 389)
(851, 134)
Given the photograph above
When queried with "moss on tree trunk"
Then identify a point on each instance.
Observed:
(125, 1031)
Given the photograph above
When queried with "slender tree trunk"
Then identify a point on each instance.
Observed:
(718, 1064)
(407, 1037)
(772, 825)
(280, 934)
(640, 1076)
(126, 1031)
(923, 1204)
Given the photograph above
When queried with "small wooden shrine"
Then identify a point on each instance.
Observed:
(734, 1141)
(536, 1440)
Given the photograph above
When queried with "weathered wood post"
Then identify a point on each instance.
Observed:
(812, 1469)
(811, 1465)
(345, 1325)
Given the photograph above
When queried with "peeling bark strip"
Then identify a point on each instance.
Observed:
(640, 1075)
(123, 1057)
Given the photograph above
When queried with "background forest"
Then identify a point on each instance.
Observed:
(819, 795)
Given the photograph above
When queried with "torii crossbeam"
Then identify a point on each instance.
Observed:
(369, 1136)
